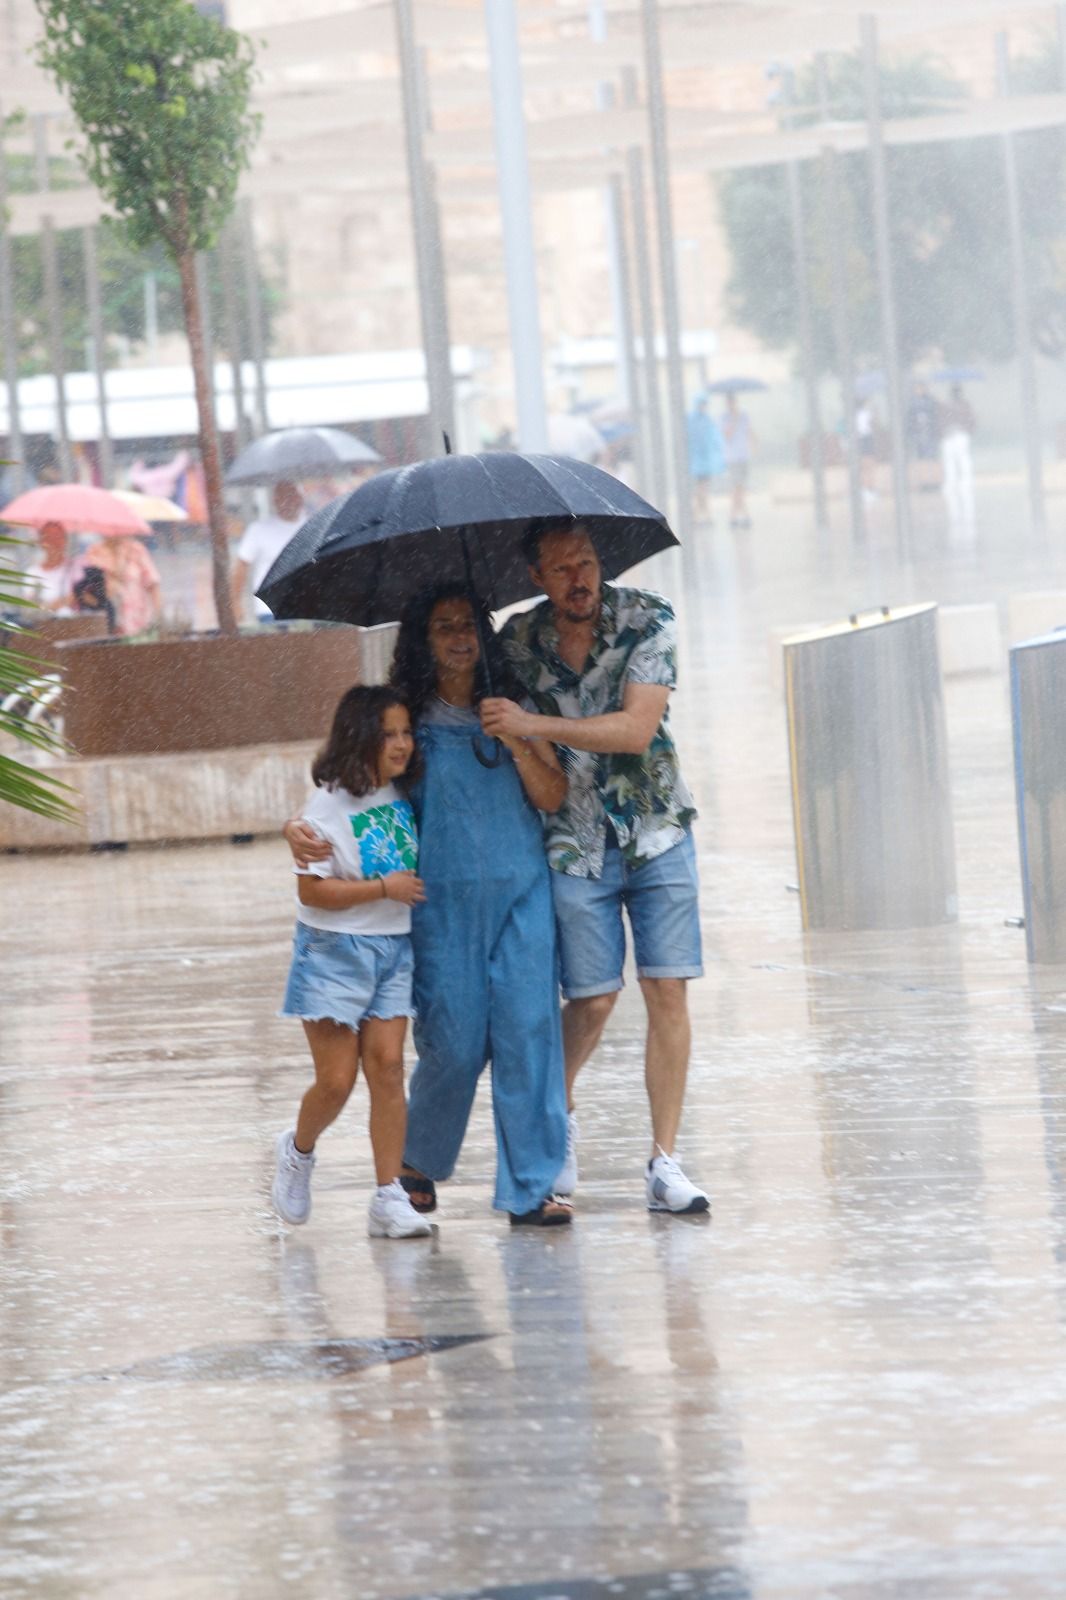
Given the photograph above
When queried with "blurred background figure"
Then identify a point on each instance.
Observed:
(162, 477)
(131, 582)
(55, 571)
(261, 544)
(706, 460)
(923, 433)
(958, 426)
(865, 429)
(738, 447)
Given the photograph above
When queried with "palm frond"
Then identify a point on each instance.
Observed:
(34, 791)
(29, 788)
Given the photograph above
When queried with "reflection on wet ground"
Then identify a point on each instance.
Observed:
(850, 1384)
(281, 1359)
(674, 1585)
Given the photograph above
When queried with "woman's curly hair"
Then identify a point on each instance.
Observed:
(414, 673)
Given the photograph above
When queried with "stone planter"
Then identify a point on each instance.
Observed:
(49, 632)
(205, 692)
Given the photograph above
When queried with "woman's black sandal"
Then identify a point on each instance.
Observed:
(560, 1216)
(422, 1191)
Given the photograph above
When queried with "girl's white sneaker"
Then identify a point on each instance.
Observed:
(292, 1180)
(392, 1216)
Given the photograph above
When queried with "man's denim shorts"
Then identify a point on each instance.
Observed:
(662, 899)
(345, 977)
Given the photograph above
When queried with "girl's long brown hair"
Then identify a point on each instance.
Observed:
(350, 756)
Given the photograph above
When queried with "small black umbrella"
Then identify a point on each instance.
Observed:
(292, 454)
(363, 556)
(736, 386)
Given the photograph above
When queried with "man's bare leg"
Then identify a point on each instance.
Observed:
(583, 1024)
(666, 1057)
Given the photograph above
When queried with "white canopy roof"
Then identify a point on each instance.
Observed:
(330, 93)
(158, 402)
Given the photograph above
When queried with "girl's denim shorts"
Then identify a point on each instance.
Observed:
(344, 977)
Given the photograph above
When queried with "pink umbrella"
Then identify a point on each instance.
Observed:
(78, 507)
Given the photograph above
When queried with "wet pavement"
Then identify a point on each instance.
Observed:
(850, 1383)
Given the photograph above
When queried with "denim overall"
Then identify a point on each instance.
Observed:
(485, 973)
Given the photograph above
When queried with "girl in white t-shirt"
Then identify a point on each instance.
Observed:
(350, 979)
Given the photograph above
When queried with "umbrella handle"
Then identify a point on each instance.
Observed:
(496, 756)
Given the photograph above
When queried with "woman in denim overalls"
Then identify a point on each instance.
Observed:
(484, 940)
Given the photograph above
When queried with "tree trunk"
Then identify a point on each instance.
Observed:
(209, 451)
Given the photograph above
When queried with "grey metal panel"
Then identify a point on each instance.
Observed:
(1038, 705)
(868, 750)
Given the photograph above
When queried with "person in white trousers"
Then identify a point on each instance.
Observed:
(958, 425)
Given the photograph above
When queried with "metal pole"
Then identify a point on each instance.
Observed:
(9, 326)
(429, 255)
(53, 313)
(831, 220)
(614, 225)
(512, 173)
(96, 332)
(1023, 326)
(438, 276)
(650, 422)
(618, 275)
(675, 386)
(254, 302)
(806, 343)
(883, 246)
(624, 325)
(231, 319)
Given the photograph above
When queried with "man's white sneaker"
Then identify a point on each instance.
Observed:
(670, 1190)
(566, 1182)
(392, 1216)
(292, 1180)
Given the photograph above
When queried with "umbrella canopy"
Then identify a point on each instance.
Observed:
(361, 558)
(957, 375)
(736, 386)
(152, 507)
(293, 454)
(78, 507)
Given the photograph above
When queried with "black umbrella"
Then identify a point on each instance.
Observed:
(363, 556)
(736, 386)
(292, 454)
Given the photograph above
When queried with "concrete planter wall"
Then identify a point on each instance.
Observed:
(51, 631)
(204, 692)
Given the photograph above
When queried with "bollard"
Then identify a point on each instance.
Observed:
(871, 804)
(1038, 715)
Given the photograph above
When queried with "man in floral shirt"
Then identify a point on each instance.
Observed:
(599, 662)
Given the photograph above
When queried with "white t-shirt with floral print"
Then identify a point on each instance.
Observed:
(371, 835)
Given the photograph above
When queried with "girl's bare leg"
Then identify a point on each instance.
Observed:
(382, 1054)
(335, 1053)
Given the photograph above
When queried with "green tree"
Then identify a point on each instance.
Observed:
(161, 93)
(946, 209)
(21, 785)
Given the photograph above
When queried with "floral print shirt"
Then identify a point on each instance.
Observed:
(130, 575)
(643, 797)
